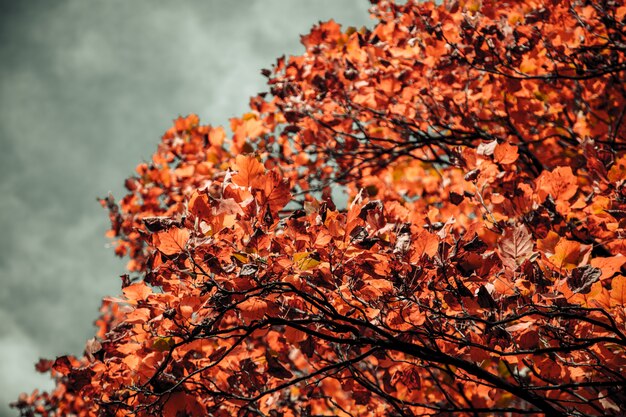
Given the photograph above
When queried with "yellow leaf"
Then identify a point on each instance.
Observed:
(304, 260)
(163, 344)
(528, 65)
(241, 257)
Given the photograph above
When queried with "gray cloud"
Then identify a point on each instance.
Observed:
(86, 90)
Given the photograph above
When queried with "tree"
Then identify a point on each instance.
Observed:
(477, 269)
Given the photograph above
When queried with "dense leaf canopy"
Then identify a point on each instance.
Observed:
(475, 270)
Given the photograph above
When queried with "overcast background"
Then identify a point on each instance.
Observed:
(86, 90)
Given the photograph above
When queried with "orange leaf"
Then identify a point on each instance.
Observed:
(62, 365)
(275, 192)
(367, 99)
(618, 291)
(172, 241)
(249, 170)
(424, 243)
(568, 254)
(138, 316)
(137, 292)
(561, 184)
(549, 368)
(505, 153)
(128, 348)
(375, 288)
(199, 206)
(597, 297)
(609, 266)
(252, 309)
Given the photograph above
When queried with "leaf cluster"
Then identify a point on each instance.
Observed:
(477, 269)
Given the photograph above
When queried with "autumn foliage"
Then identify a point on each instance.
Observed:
(469, 261)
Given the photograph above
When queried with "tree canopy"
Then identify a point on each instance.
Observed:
(476, 268)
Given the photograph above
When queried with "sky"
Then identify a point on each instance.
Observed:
(87, 88)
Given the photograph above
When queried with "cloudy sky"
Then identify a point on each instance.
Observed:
(86, 90)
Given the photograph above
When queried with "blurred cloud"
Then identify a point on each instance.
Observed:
(86, 90)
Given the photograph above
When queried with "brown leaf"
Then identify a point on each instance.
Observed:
(62, 365)
(485, 300)
(403, 243)
(158, 224)
(515, 247)
(487, 149)
(44, 365)
(456, 198)
(582, 278)
(248, 270)
(92, 349)
(276, 369)
(78, 379)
